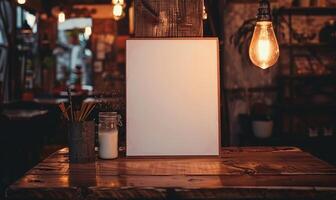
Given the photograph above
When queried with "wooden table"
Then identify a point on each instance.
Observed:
(240, 173)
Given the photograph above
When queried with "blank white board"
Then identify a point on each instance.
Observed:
(172, 97)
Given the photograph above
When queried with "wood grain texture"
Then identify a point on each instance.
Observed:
(168, 18)
(240, 173)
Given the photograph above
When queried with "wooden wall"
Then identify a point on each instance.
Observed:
(168, 18)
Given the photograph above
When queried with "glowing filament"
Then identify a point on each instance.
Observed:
(61, 17)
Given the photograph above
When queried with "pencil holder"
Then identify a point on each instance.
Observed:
(81, 142)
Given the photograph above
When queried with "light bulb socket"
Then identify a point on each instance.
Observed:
(264, 11)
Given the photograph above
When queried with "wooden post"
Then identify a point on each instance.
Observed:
(168, 18)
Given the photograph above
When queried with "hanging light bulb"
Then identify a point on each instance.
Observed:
(264, 48)
(21, 2)
(61, 17)
(121, 2)
(118, 11)
(87, 32)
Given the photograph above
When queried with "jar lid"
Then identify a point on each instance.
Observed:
(108, 114)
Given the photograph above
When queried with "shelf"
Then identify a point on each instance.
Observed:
(309, 77)
(314, 100)
(318, 46)
(255, 89)
(327, 11)
(308, 107)
(290, 139)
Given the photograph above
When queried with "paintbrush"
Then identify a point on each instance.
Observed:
(88, 110)
(81, 111)
(70, 101)
(64, 110)
(85, 110)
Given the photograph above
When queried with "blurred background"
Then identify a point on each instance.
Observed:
(48, 46)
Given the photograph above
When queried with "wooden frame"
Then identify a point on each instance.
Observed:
(131, 123)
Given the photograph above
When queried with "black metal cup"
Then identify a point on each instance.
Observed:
(81, 142)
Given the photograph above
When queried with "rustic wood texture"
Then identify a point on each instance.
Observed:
(168, 18)
(240, 173)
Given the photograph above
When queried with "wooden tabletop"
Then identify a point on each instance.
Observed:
(240, 173)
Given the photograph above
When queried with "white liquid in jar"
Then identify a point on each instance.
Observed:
(108, 144)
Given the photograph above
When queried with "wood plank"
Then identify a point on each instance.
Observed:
(64, 193)
(189, 167)
(125, 186)
(177, 181)
(223, 194)
(240, 173)
(168, 18)
(275, 161)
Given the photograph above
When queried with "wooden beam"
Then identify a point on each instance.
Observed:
(168, 18)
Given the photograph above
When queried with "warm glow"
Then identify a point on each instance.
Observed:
(117, 10)
(61, 17)
(264, 48)
(87, 32)
(205, 14)
(131, 18)
(21, 1)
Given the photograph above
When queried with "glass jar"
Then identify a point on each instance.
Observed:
(108, 134)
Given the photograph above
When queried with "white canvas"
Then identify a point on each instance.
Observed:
(172, 97)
